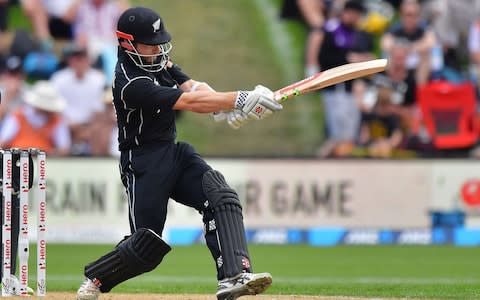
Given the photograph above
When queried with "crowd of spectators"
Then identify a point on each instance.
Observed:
(56, 76)
(385, 116)
(68, 55)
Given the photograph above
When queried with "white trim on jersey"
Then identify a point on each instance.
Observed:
(131, 192)
(131, 110)
(141, 122)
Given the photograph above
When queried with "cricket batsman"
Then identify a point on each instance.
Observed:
(147, 89)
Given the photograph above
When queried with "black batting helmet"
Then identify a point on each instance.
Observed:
(143, 25)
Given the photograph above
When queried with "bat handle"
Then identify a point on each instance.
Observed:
(282, 97)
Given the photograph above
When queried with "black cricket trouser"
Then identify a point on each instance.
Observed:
(153, 174)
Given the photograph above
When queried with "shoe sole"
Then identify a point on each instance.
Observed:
(257, 285)
(87, 297)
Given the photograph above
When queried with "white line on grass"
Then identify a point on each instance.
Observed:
(292, 280)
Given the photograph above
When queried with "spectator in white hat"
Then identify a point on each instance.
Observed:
(38, 124)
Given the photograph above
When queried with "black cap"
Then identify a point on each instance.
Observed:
(356, 5)
(142, 25)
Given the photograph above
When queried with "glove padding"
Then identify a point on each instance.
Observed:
(236, 118)
(257, 104)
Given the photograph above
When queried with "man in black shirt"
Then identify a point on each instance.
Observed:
(343, 43)
(147, 90)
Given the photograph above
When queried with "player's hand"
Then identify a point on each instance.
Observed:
(236, 118)
(219, 116)
(257, 104)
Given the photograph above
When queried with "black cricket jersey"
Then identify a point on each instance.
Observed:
(144, 103)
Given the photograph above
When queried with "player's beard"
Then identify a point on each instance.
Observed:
(152, 59)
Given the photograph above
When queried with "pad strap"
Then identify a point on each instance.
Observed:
(139, 253)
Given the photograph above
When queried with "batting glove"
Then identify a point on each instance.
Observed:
(257, 104)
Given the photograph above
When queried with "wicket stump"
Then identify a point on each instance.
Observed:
(21, 159)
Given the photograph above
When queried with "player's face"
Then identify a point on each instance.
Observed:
(151, 58)
(151, 51)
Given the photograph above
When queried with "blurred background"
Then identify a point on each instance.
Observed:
(433, 55)
(413, 129)
(385, 160)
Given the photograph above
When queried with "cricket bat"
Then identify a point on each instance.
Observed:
(330, 77)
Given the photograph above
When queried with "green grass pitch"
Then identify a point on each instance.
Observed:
(429, 272)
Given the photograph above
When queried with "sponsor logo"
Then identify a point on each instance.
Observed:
(97, 282)
(245, 263)
(8, 253)
(42, 169)
(25, 176)
(362, 237)
(270, 236)
(24, 275)
(470, 192)
(42, 212)
(258, 109)
(415, 237)
(25, 214)
(156, 25)
(9, 169)
(43, 253)
(8, 212)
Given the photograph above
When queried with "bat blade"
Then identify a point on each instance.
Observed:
(331, 77)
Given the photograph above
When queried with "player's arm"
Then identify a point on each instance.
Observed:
(257, 104)
(196, 102)
(206, 101)
(234, 117)
(194, 86)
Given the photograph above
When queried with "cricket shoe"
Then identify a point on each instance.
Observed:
(243, 284)
(88, 291)
(15, 284)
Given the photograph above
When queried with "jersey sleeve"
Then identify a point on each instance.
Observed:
(177, 74)
(145, 94)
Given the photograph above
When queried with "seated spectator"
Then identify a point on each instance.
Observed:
(105, 140)
(12, 86)
(399, 83)
(82, 87)
(51, 19)
(451, 20)
(95, 26)
(422, 40)
(380, 131)
(343, 43)
(38, 124)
